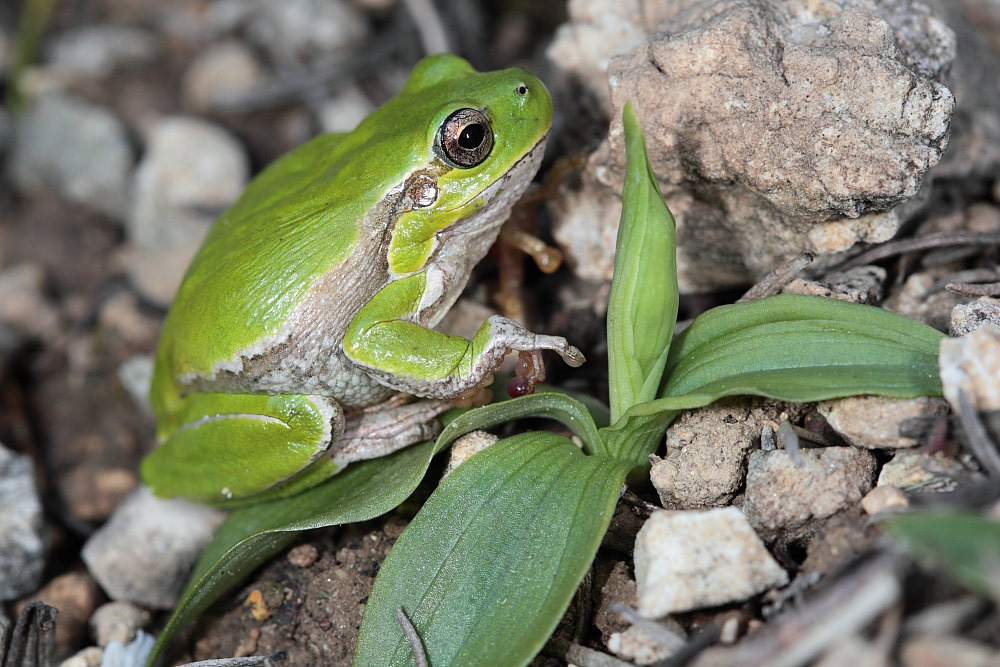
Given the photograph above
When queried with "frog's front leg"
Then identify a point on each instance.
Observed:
(223, 446)
(406, 356)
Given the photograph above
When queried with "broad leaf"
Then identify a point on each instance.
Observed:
(803, 348)
(490, 563)
(642, 307)
(964, 545)
(549, 405)
(252, 535)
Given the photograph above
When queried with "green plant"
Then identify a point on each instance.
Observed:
(490, 563)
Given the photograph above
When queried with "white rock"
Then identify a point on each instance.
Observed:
(96, 50)
(884, 497)
(117, 622)
(635, 645)
(344, 112)
(76, 148)
(971, 364)
(222, 70)
(911, 469)
(967, 317)
(91, 656)
(22, 545)
(192, 170)
(873, 421)
(690, 560)
(293, 31)
(144, 553)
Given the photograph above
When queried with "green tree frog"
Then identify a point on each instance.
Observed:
(312, 300)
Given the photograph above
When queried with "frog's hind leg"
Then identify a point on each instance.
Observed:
(223, 446)
(387, 428)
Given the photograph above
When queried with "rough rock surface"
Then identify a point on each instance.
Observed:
(967, 317)
(117, 622)
(465, 447)
(911, 469)
(862, 284)
(922, 297)
(192, 171)
(690, 560)
(636, 646)
(783, 498)
(76, 148)
(22, 547)
(884, 497)
(707, 451)
(776, 127)
(144, 552)
(971, 364)
(873, 421)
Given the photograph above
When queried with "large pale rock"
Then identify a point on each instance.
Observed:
(144, 553)
(192, 171)
(776, 127)
(97, 50)
(785, 498)
(971, 364)
(292, 31)
(78, 149)
(690, 560)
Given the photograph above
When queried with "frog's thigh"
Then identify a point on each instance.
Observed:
(234, 445)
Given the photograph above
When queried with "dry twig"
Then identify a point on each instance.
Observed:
(416, 646)
(780, 276)
(925, 242)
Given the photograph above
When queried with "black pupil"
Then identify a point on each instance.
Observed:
(472, 136)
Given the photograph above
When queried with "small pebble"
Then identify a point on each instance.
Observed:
(117, 622)
(303, 555)
(971, 364)
(465, 447)
(635, 645)
(884, 497)
(873, 421)
(219, 72)
(88, 657)
(967, 317)
(22, 542)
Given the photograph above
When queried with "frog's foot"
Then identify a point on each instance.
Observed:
(229, 446)
(508, 335)
(373, 433)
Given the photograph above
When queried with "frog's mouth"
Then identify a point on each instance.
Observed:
(502, 193)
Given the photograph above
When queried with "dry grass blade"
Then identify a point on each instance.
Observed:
(969, 289)
(416, 646)
(780, 276)
(926, 242)
(978, 440)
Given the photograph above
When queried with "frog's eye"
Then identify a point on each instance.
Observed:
(466, 138)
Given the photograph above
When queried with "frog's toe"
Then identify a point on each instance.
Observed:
(572, 356)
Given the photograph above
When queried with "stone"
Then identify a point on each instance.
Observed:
(777, 127)
(586, 228)
(295, 31)
(923, 298)
(304, 555)
(873, 421)
(22, 542)
(145, 551)
(92, 491)
(24, 307)
(76, 596)
(911, 470)
(967, 317)
(78, 149)
(117, 621)
(935, 650)
(344, 112)
(97, 50)
(971, 364)
(635, 645)
(220, 72)
(88, 657)
(706, 457)
(691, 560)
(862, 284)
(192, 171)
(785, 499)
(465, 447)
(136, 374)
(882, 498)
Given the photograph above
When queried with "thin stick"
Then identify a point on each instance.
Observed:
(783, 274)
(925, 242)
(419, 655)
(429, 26)
(969, 289)
(978, 439)
(581, 655)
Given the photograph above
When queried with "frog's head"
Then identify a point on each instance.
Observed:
(479, 145)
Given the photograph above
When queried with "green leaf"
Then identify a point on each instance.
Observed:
(253, 534)
(642, 307)
(638, 433)
(966, 546)
(803, 348)
(549, 405)
(489, 565)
